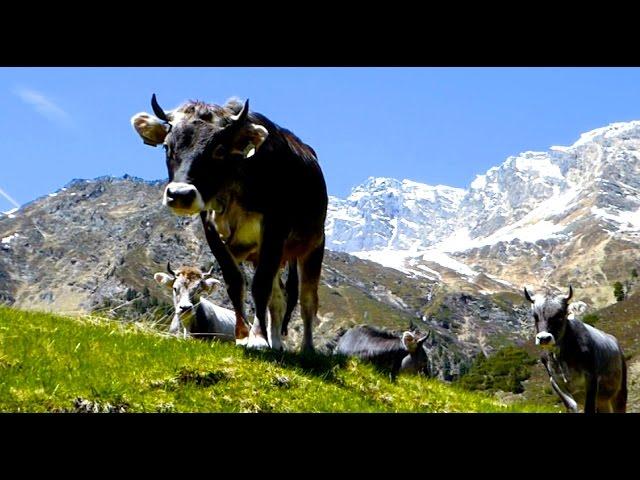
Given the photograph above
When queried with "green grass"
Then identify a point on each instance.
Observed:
(50, 363)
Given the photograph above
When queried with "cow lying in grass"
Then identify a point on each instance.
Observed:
(584, 364)
(195, 315)
(389, 352)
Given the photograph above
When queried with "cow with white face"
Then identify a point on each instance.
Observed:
(195, 315)
(584, 364)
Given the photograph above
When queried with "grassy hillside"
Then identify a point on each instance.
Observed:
(50, 363)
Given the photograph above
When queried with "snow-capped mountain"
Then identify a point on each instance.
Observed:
(384, 213)
(551, 205)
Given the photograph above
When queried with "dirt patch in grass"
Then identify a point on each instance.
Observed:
(202, 379)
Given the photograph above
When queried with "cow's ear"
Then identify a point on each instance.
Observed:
(151, 129)
(249, 139)
(208, 284)
(164, 279)
(409, 341)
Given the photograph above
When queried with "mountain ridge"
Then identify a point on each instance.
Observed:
(550, 203)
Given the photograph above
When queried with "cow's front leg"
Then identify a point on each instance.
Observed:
(592, 394)
(268, 266)
(231, 273)
(570, 404)
(176, 326)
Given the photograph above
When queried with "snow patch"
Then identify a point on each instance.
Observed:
(441, 258)
(387, 258)
(499, 280)
(7, 240)
(628, 221)
(538, 162)
(10, 213)
(480, 182)
(610, 131)
(400, 260)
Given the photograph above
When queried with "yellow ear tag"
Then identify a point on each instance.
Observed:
(250, 151)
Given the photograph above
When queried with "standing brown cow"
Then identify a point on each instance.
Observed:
(261, 196)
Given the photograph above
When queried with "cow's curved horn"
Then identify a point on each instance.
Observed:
(421, 341)
(169, 269)
(526, 295)
(157, 109)
(208, 274)
(242, 116)
(570, 293)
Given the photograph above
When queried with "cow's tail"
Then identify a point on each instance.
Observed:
(292, 289)
(620, 403)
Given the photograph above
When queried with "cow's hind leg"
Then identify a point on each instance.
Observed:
(604, 405)
(309, 269)
(276, 313)
(292, 295)
(620, 400)
(591, 397)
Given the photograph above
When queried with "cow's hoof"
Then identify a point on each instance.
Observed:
(258, 344)
(242, 341)
(257, 341)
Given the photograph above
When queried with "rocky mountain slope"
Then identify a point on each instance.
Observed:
(570, 214)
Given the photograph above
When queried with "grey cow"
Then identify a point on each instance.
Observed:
(391, 352)
(194, 315)
(584, 364)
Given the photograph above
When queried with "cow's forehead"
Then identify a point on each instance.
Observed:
(547, 305)
(196, 112)
(210, 113)
(187, 277)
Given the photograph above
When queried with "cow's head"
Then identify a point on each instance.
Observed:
(205, 147)
(417, 361)
(550, 314)
(188, 284)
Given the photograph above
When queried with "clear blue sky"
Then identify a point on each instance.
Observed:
(432, 125)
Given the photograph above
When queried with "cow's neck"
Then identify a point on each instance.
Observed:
(567, 348)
